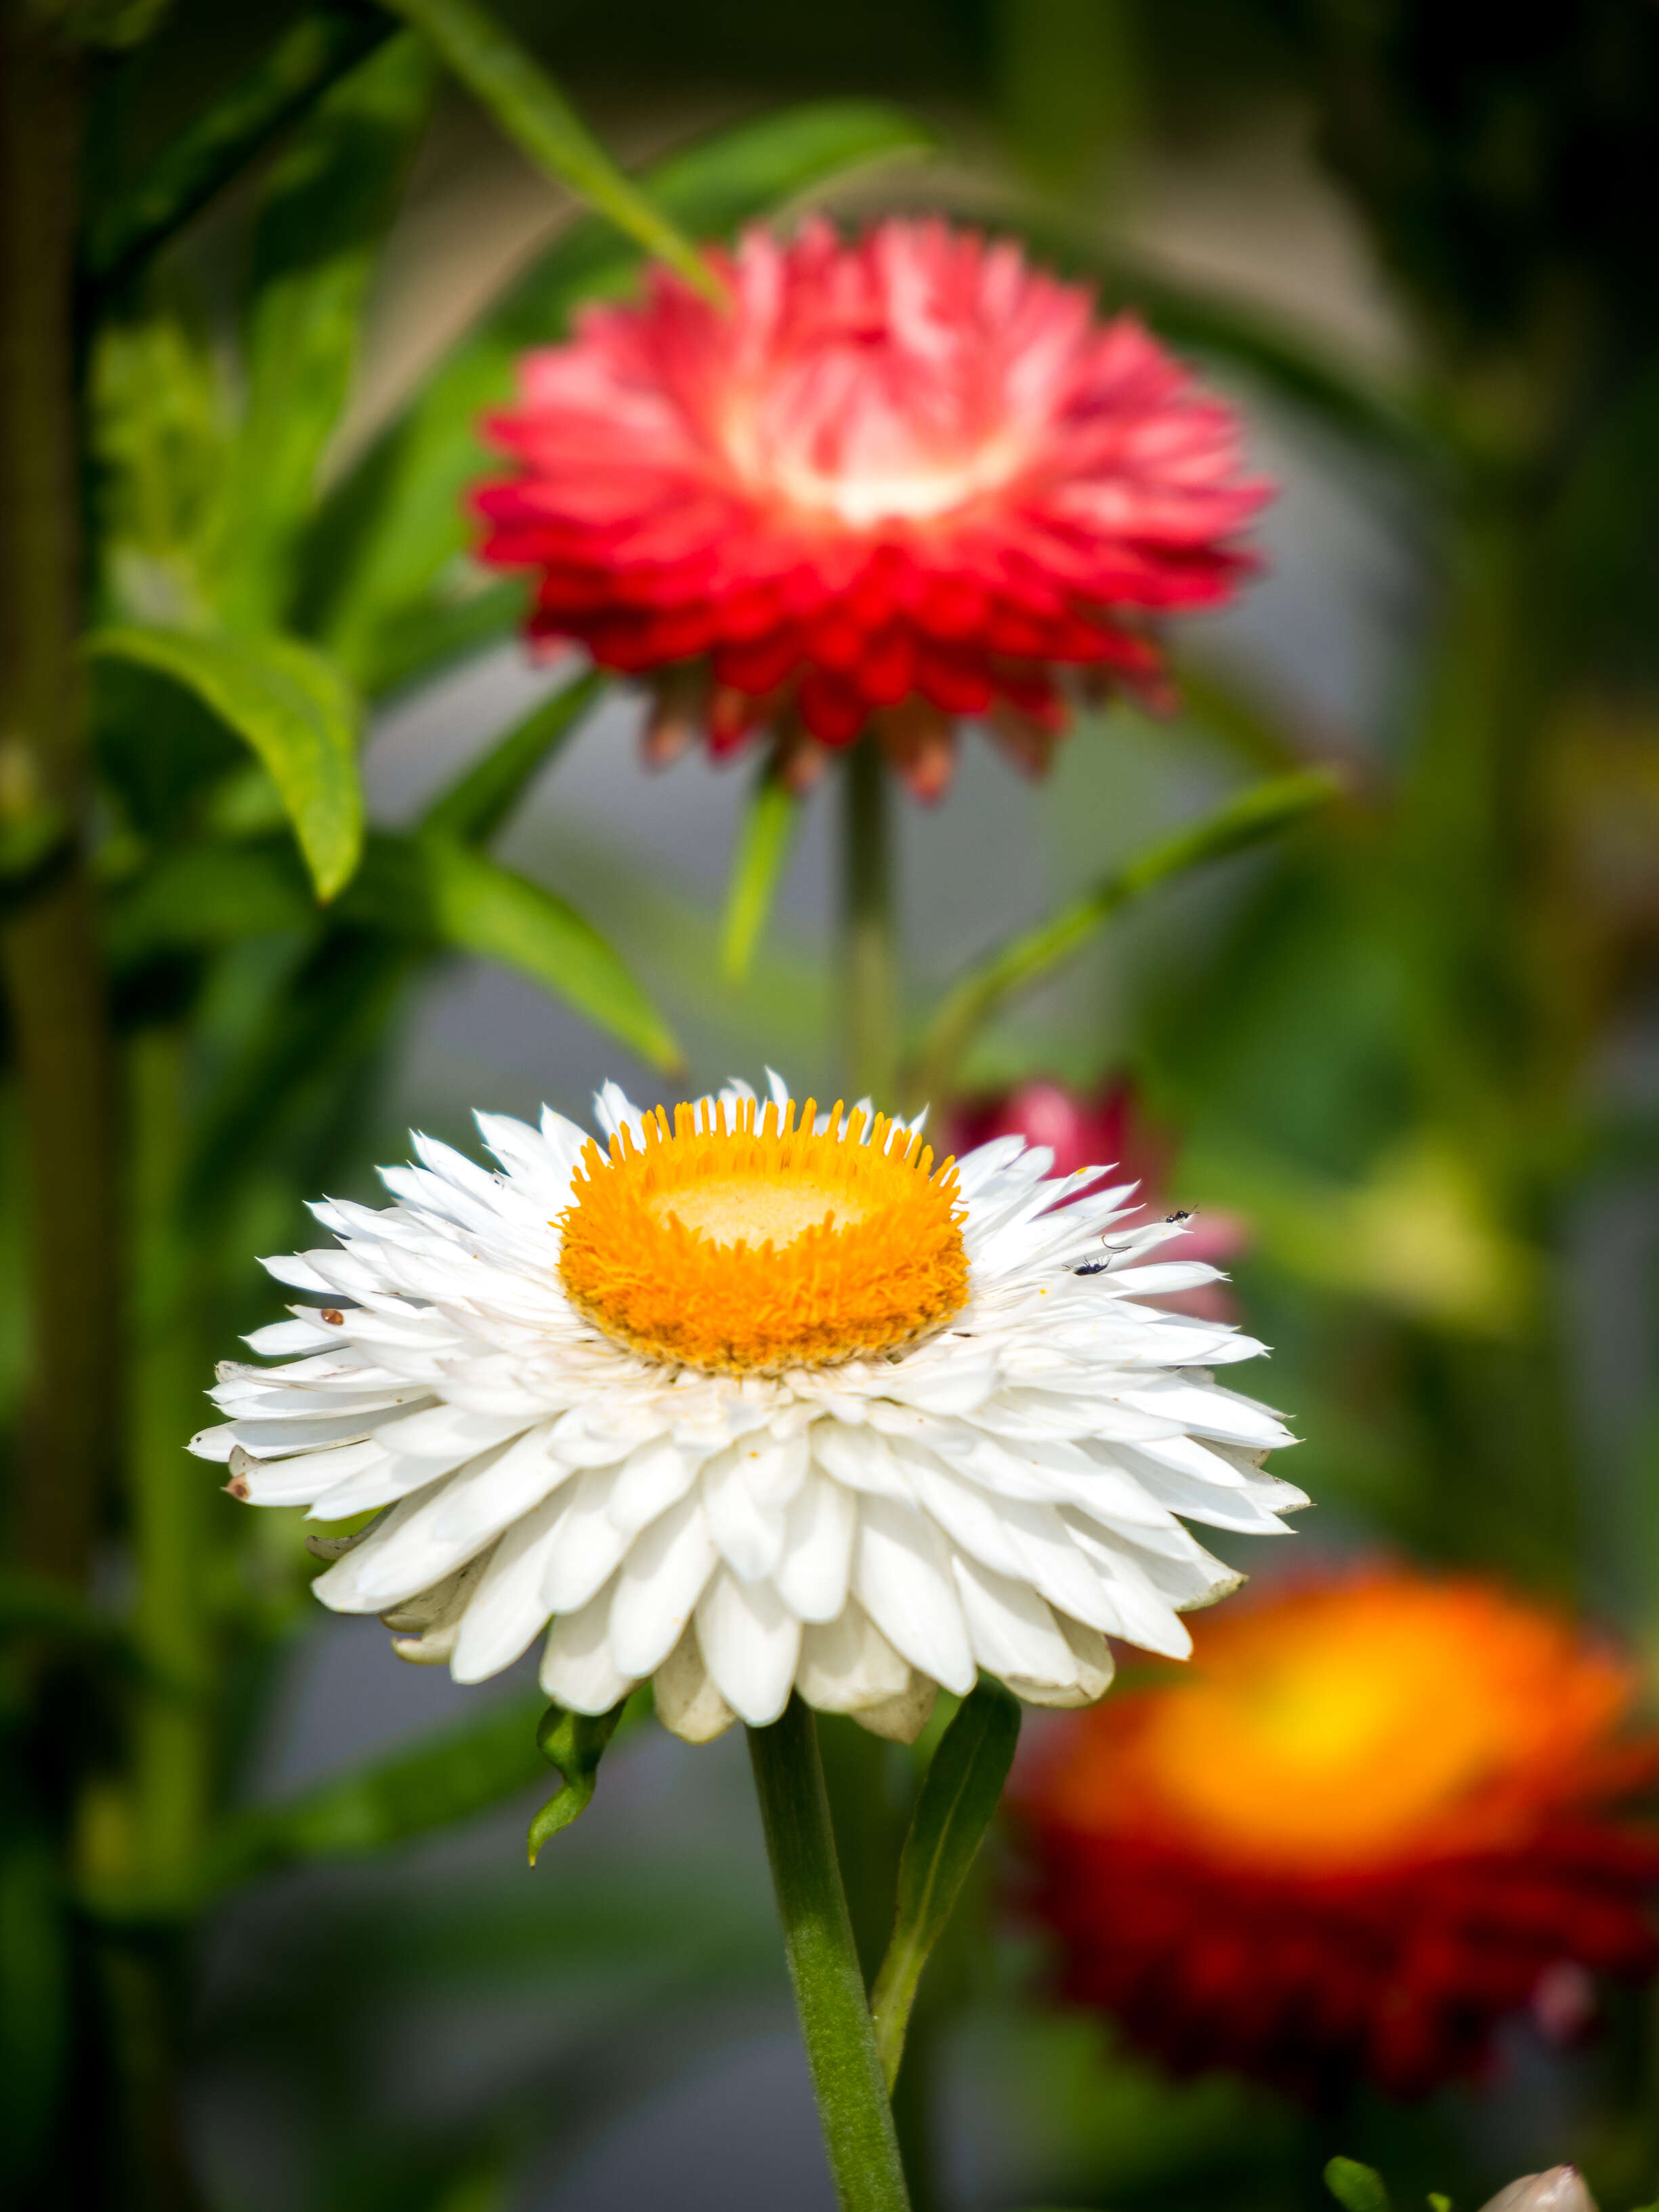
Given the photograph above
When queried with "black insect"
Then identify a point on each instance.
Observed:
(1092, 1267)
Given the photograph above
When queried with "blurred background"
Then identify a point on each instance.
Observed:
(1413, 1049)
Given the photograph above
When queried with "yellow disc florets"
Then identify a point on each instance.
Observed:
(763, 1246)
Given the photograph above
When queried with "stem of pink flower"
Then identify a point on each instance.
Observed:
(823, 1965)
(870, 1009)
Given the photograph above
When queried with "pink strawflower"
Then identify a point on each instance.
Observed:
(1109, 1128)
(896, 481)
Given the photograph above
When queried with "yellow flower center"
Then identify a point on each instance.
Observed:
(764, 1247)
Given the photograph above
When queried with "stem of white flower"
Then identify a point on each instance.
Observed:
(823, 1965)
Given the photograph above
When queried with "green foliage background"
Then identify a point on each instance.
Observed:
(1411, 1038)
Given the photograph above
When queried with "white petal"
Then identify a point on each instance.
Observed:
(749, 1534)
(661, 1580)
(750, 1642)
(1014, 1634)
(508, 1609)
(818, 1549)
(649, 1481)
(577, 1668)
(901, 1574)
(590, 1545)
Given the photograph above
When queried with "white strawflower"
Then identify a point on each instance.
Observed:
(746, 1405)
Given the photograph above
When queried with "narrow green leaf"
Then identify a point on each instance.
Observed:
(201, 896)
(1227, 709)
(447, 1776)
(1293, 364)
(955, 1807)
(295, 710)
(575, 1743)
(327, 209)
(390, 531)
(763, 843)
(229, 134)
(451, 1775)
(1438, 2202)
(1357, 2188)
(435, 889)
(535, 114)
(475, 806)
(1259, 813)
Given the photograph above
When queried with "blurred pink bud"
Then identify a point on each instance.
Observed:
(1109, 1130)
(1561, 2190)
(1564, 2001)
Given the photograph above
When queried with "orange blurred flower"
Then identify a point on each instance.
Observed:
(1382, 1812)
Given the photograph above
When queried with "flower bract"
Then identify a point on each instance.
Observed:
(1380, 1812)
(751, 1398)
(895, 481)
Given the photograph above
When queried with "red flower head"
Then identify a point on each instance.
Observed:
(1380, 1815)
(894, 481)
(1109, 1128)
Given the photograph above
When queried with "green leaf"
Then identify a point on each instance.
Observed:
(1357, 2188)
(395, 526)
(327, 209)
(767, 833)
(1440, 2202)
(1292, 364)
(295, 710)
(205, 895)
(954, 1808)
(436, 888)
(451, 1775)
(475, 806)
(226, 137)
(1259, 813)
(575, 1743)
(535, 114)
(1222, 706)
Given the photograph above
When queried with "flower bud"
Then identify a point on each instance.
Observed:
(1560, 2189)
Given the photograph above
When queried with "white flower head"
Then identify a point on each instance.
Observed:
(750, 1403)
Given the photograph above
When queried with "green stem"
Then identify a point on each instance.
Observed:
(870, 968)
(824, 1966)
(50, 954)
(170, 1503)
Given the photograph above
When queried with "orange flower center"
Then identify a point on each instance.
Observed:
(1342, 1727)
(760, 1247)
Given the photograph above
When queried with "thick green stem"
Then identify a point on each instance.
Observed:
(823, 1965)
(870, 975)
(49, 948)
